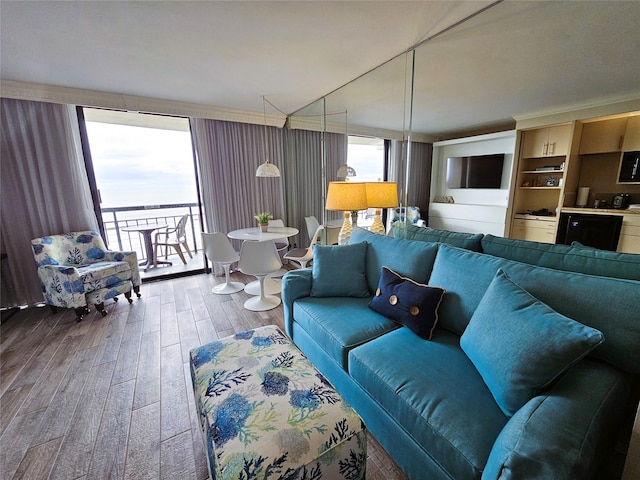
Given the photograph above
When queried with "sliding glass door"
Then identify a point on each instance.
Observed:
(145, 176)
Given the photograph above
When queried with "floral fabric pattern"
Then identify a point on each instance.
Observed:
(76, 268)
(267, 413)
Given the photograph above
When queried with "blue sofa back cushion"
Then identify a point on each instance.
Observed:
(609, 305)
(574, 258)
(520, 345)
(408, 303)
(408, 258)
(339, 271)
(468, 241)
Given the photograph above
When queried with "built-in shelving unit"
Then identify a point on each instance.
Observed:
(554, 161)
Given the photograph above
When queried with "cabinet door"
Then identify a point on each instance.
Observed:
(603, 137)
(534, 230)
(629, 241)
(559, 138)
(546, 142)
(535, 143)
(632, 135)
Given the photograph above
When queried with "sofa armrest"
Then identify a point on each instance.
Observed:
(131, 258)
(563, 433)
(295, 284)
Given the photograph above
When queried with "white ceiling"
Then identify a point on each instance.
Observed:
(516, 58)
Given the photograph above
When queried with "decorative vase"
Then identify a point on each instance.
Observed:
(345, 231)
(263, 226)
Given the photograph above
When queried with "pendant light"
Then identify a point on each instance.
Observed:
(345, 170)
(267, 169)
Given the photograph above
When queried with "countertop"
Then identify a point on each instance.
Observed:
(601, 211)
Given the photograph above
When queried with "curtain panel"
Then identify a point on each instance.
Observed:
(228, 155)
(45, 189)
(305, 190)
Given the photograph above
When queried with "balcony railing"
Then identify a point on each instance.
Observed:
(115, 218)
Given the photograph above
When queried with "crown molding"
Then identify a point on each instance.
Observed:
(600, 108)
(93, 98)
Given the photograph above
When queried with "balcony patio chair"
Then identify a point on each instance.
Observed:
(302, 256)
(175, 238)
(76, 269)
(218, 249)
(260, 258)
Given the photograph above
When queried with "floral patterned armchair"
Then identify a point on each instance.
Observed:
(413, 216)
(76, 269)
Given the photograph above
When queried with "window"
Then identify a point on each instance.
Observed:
(366, 156)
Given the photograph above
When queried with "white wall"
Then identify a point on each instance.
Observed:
(474, 210)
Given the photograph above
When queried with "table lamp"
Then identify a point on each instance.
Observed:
(347, 197)
(381, 195)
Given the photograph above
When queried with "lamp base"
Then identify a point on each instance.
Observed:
(345, 231)
(377, 226)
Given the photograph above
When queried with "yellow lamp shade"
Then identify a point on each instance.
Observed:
(346, 196)
(382, 194)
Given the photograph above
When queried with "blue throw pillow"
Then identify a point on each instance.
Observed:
(339, 271)
(409, 303)
(520, 345)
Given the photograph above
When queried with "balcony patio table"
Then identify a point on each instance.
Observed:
(271, 286)
(145, 231)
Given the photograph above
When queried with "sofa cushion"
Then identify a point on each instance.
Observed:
(574, 258)
(434, 393)
(339, 324)
(606, 304)
(414, 305)
(520, 345)
(408, 258)
(339, 271)
(468, 241)
(532, 445)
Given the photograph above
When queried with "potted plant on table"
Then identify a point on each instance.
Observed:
(263, 220)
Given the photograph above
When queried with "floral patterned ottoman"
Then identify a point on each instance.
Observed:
(267, 413)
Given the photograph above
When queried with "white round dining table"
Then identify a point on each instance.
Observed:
(271, 285)
(255, 233)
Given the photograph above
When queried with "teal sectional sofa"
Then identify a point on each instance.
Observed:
(529, 372)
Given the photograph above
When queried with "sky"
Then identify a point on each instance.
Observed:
(141, 166)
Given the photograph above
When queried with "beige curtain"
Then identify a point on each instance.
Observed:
(228, 155)
(44, 189)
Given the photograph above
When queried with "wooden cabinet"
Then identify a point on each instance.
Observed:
(632, 135)
(547, 142)
(629, 241)
(541, 176)
(535, 229)
(603, 136)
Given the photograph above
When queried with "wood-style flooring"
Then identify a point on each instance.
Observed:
(110, 397)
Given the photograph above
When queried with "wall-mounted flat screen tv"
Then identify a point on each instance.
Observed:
(477, 171)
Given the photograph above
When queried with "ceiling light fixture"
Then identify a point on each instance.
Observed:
(345, 171)
(267, 169)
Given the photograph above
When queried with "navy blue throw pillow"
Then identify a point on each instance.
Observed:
(409, 303)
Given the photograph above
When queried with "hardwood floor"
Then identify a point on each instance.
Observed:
(110, 397)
